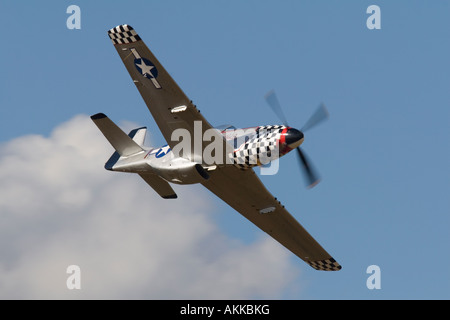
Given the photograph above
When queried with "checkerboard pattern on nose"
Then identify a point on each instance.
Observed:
(123, 34)
(261, 146)
(325, 265)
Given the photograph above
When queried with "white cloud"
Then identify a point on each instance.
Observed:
(59, 207)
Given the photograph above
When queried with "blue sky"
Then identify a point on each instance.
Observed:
(383, 155)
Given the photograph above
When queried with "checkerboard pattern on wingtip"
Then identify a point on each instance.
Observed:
(123, 34)
(325, 265)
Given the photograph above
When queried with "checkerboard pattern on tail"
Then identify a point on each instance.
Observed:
(262, 144)
(325, 265)
(123, 34)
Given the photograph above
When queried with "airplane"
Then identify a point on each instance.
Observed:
(230, 176)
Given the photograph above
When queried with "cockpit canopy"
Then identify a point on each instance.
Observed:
(237, 136)
(224, 127)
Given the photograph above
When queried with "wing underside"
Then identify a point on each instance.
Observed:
(244, 191)
(168, 104)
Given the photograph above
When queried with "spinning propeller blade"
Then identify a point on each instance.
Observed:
(318, 116)
(311, 175)
(273, 102)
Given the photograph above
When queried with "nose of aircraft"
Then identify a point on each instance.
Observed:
(293, 138)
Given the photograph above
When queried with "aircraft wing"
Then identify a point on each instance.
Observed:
(244, 191)
(168, 104)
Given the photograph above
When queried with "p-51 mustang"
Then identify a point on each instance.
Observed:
(231, 177)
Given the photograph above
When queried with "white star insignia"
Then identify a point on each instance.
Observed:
(145, 69)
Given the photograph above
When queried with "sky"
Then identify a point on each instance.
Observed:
(383, 155)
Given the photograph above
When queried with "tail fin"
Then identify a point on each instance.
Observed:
(124, 144)
(138, 135)
(128, 145)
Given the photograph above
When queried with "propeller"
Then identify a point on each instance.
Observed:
(317, 117)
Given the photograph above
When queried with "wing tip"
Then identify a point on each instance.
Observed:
(325, 265)
(123, 34)
(98, 116)
(172, 196)
(121, 28)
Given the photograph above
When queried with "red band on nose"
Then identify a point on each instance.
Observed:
(283, 136)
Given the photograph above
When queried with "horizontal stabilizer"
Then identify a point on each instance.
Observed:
(161, 186)
(124, 145)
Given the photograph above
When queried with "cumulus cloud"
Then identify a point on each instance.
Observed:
(59, 207)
